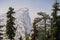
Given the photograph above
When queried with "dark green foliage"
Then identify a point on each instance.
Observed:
(56, 22)
(44, 17)
(40, 32)
(10, 29)
(35, 34)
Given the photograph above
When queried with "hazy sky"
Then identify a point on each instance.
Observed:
(34, 6)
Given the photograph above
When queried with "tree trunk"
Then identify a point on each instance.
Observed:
(45, 28)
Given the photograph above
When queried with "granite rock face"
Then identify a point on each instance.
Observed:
(22, 22)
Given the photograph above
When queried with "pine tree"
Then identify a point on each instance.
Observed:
(35, 34)
(36, 30)
(44, 17)
(56, 22)
(1, 32)
(10, 29)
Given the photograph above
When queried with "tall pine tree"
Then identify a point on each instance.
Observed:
(56, 22)
(10, 29)
(44, 17)
(35, 34)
